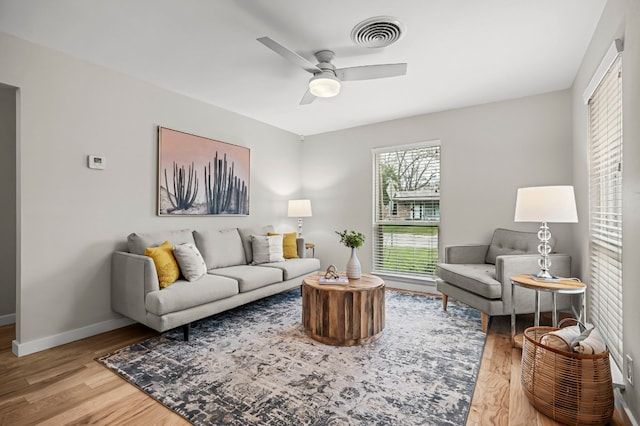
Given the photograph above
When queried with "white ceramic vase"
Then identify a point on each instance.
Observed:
(353, 266)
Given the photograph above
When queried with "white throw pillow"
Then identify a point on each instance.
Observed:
(267, 249)
(190, 260)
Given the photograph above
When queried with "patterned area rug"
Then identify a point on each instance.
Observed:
(255, 365)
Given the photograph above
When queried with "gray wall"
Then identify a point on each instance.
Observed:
(72, 218)
(488, 152)
(620, 19)
(8, 197)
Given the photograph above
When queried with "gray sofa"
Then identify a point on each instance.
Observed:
(231, 279)
(479, 275)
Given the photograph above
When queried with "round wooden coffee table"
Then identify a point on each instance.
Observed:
(343, 314)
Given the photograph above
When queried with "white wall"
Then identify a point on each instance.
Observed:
(620, 19)
(488, 151)
(8, 210)
(72, 218)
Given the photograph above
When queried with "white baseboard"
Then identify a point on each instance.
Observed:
(26, 348)
(622, 405)
(7, 319)
(407, 282)
(423, 287)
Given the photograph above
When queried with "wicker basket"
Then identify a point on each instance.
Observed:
(571, 388)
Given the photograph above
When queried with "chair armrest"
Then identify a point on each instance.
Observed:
(470, 253)
(300, 247)
(132, 277)
(510, 265)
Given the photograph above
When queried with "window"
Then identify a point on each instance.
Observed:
(605, 208)
(406, 209)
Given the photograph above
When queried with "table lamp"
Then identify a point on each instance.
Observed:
(555, 204)
(299, 209)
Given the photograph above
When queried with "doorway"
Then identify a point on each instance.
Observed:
(8, 212)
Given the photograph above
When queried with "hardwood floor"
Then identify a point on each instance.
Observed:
(65, 385)
(498, 398)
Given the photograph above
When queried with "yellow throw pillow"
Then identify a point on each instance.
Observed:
(166, 265)
(289, 244)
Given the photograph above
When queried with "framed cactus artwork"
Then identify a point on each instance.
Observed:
(201, 176)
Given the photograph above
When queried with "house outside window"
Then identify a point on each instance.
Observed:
(406, 209)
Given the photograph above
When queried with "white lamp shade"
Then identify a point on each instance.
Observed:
(546, 204)
(299, 208)
(324, 86)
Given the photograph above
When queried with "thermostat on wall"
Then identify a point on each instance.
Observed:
(97, 162)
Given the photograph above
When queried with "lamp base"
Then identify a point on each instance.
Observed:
(544, 235)
(544, 275)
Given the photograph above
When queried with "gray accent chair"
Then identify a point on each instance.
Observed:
(479, 275)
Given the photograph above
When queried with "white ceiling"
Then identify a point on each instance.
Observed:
(460, 52)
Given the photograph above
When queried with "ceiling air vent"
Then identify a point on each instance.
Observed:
(380, 31)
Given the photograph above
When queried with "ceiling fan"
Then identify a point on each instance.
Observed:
(327, 79)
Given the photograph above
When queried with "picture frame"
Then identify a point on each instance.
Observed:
(199, 176)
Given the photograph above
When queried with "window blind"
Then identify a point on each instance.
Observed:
(605, 208)
(406, 209)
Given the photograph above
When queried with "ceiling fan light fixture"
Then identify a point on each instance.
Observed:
(324, 85)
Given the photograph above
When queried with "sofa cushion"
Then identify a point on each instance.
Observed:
(184, 294)
(190, 260)
(250, 277)
(220, 248)
(165, 263)
(293, 268)
(289, 244)
(138, 243)
(266, 249)
(245, 236)
(475, 278)
(506, 241)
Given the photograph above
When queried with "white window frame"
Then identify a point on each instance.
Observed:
(377, 222)
(605, 201)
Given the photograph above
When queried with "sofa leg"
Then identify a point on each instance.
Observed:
(485, 321)
(445, 300)
(185, 331)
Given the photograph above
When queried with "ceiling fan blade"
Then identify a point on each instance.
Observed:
(289, 55)
(369, 72)
(307, 98)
